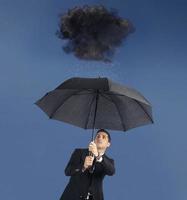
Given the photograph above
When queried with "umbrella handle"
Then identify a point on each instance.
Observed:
(91, 168)
(91, 154)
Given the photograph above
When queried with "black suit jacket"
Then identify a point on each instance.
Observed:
(79, 181)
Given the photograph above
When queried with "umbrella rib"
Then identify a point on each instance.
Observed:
(89, 92)
(136, 102)
(117, 94)
(84, 93)
(63, 103)
(111, 100)
(89, 111)
(144, 110)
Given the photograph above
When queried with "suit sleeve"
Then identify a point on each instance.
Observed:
(74, 165)
(106, 166)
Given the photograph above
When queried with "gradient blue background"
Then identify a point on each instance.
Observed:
(150, 161)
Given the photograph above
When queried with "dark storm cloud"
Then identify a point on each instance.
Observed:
(93, 32)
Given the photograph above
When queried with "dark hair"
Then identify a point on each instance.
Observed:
(103, 130)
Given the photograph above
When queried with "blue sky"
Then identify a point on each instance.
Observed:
(150, 161)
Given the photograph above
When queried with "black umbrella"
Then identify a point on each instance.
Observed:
(94, 103)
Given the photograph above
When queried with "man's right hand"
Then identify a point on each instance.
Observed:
(88, 161)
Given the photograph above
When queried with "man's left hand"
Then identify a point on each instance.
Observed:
(93, 148)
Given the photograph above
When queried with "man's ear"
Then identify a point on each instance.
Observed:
(108, 144)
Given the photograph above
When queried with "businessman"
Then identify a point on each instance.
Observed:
(88, 171)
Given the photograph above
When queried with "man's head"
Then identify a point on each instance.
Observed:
(102, 139)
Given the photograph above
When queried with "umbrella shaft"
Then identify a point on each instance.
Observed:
(95, 112)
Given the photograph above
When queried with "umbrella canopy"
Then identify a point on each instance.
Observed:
(97, 103)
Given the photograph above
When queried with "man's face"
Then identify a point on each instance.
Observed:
(102, 140)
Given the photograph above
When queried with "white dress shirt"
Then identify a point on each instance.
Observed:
(100, 158)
